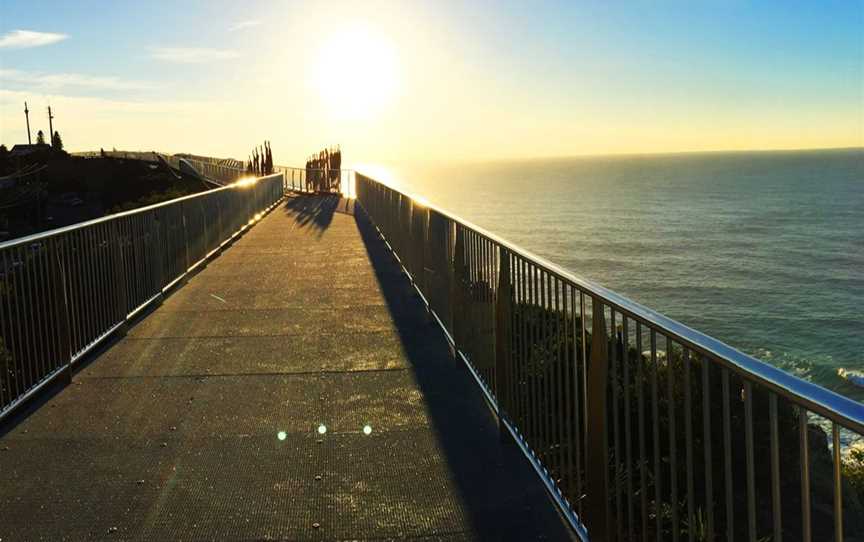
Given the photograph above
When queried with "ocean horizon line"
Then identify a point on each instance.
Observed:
(561, 158)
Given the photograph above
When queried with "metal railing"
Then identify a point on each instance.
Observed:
(63, 291)
(221, 170)
(318, 180)
(224, 170)
(640, 427)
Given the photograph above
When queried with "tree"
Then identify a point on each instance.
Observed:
(56, 141)
(40, 138)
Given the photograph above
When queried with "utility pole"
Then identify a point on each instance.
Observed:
(50, 127)
(27, 116)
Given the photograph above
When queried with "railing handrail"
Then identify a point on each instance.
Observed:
(213, 163)
(78, 225)
(298, 168)
(838, 408)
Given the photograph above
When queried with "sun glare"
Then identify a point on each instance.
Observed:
(356, 74)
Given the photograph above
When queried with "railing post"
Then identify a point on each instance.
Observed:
(597, 472)
(425, 264)
(503, 311)
(456, 289)
(62, 309)
(188, 262)
(119, 275)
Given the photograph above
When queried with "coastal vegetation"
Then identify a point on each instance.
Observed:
(71, 189)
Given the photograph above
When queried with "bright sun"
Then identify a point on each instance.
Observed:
(356, 74)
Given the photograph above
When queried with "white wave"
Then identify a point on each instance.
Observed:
(854, 377)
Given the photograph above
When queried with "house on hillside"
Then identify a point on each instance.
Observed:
(26, 150)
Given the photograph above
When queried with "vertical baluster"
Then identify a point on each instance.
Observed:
(688, 438)
(18, 314)
(543, 395)
(751, 467)
(23, 313)
(55, 288)
(804, 454)
(569, 401)
(584, 382)
(130, 260)
(597, 453)
(508, 263)
(34, 357)
(838, 484)
(775, 469)
(643, 449)
(469, 330)
(61, 289)
(94, 288)
(547, 370)
(522, 356)
(42, 307)
(539, 345)
(552, 356)
(673, 445)
(133, 269)
(488, 310)
(577, 437)
(478, 354)
(142, 269)
(142, 276)
(519, 358)
(31, 302)
(706, 437)
(14, 329)
(6, 344)
(119, 238)
(613, 381)
(38, 333)
(535, 385)
(727, 458)
(559, 380)
(97, 290)
(655, 416)
(73, 257)
(108, 282)
(495, 272)
(628, 423)
(496, 275)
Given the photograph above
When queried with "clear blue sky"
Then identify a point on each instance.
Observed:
(430, 79)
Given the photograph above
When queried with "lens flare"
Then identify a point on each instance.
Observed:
(245, 181)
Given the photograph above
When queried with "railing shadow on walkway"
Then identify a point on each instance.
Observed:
(315, 210)
(503, 498)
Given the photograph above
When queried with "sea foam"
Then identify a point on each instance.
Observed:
(854, 377)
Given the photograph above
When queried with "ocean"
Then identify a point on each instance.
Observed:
(762, 250)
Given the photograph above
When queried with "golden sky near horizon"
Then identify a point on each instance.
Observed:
(412, 82)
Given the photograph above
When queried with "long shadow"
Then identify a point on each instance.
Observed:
(316, 210)
(501, 494)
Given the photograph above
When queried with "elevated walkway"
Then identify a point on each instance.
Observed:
(236, 411)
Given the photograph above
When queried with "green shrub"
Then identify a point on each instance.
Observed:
(853, 470)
